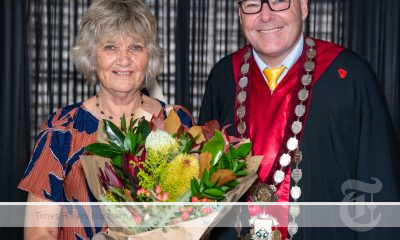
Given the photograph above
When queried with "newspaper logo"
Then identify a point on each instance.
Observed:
(354, 216)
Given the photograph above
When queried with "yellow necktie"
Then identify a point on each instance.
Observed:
(272, 75)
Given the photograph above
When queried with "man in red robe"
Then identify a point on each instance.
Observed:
(302, 98)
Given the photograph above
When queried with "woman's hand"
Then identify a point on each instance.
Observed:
(39, 223)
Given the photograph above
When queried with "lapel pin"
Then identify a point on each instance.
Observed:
(342, 73)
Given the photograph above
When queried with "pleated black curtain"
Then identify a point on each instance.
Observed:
(15, 107)
(38, 75)
(14, 97)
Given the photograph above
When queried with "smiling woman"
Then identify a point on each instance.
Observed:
(116, 46)
(121, 65)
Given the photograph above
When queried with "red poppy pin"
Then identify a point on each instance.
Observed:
(342, 73)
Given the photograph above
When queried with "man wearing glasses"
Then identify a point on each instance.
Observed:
(313, 109)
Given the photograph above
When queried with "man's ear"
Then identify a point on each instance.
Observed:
(239, 12)
(304, 8)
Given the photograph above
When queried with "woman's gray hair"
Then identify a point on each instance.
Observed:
(105, 18)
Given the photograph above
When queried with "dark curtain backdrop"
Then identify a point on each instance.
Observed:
(37, 75)
(14, 105)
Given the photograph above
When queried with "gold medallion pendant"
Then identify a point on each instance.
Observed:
(262, 193)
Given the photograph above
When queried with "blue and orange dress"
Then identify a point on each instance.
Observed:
(55, 174)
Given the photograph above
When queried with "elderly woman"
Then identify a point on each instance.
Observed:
(116, 47)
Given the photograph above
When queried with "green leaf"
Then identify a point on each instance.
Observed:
(143, 129)
(117, 161)
(239, 166)
(233, 161)
(133, 139)
(189, 145)
(211, 197)
(213, 184)
(214, 192)
(225, 188)
(132, 124)
(127, 142)
(114, 145)
(204, 181)
(113, 133)
(243, 150)
(205, 178)
(232, 152)
(194, 186)
(224, 163)
(232, 184)
(215, 146)
(234, 165)
(123, 123)
(242, 173)
(103, 150)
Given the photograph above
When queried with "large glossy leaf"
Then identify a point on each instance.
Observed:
(239, 166)
(243, 150)
(143, 129)
(242, 173)
(232, 152)
(127, 142)
(232, 184)
(214, 192)
(113, 133)
(133, 141)
(117, 161)
(103, 150)
(213, 184)
(205, 178)
(225, 188)
(194, 186)
(215, 146)
(123, 123)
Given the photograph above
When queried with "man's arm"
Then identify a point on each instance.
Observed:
(218, 100)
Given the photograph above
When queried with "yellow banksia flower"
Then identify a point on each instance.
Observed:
(176, 179)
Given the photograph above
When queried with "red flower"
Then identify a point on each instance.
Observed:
(109, 178)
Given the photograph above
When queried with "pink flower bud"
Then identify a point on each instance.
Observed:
(185, 216)
(159, 197)
(165, 196)
(137, 219)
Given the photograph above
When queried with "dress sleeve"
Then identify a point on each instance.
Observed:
(44, 175)
(184, 115)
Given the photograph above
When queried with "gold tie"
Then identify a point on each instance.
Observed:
(272, 75)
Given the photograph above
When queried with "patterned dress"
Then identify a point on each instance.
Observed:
(54, 172)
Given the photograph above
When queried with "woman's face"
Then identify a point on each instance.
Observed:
(121, 64)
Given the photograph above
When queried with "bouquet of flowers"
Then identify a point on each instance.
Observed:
(162, 160)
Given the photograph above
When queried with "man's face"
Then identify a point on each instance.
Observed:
(274, 34)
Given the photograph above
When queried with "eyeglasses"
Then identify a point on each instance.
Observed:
(255, 6)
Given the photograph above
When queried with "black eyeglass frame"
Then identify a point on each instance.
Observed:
(262, 3)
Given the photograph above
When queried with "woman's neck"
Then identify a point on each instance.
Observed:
(113, 106)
